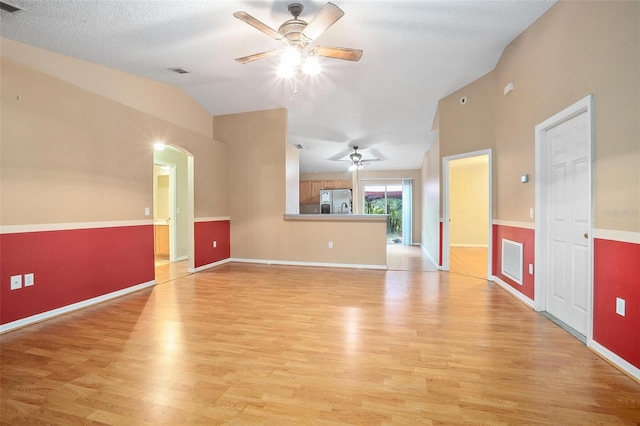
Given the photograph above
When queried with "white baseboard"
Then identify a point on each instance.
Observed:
(321, 264)
(181, 258)
(73, 307)
(616, 360)
(208, 265)
(521, 297)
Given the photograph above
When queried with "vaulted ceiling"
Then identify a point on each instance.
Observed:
(415, 53)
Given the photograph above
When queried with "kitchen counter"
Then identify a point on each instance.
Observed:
(338, 217)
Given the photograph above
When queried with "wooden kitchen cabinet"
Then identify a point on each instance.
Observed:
(161, 239)
(305, 192)
(310, 189)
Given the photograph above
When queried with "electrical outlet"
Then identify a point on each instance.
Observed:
(215, 244)
(147, 211)
(330, 244)
(16, 282)
(531, 269)
(28, 280)
(620, 306)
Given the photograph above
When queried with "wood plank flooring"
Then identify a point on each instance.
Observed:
(471, 261)
(258, 344)
(171, 270)
(408, 258)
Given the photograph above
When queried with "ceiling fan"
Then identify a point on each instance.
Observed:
(356, 160)
(296, 35)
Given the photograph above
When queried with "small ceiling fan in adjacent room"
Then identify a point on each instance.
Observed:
(356, 161)
(297, 35)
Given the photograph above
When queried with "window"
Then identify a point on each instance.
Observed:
(386, 199)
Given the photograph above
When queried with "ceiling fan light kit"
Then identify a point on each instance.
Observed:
(356, 162)
(296, 35)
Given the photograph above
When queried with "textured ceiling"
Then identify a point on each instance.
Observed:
(415, 53)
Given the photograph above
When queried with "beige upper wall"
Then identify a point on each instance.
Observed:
(430, 175)
(326, 176)
(160, 100)
(470, 126)
(292, 196)
(259, 157)
(469, 202)
(68, 152)
(573, 50)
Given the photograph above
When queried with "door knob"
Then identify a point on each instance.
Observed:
(586, 236)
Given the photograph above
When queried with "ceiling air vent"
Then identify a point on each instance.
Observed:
(6, 7)
(297, 145)
(179, 70)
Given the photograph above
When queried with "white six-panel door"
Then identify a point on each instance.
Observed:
(568, 243)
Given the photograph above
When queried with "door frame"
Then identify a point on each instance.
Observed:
(584, 105)
(190, 213)
(446, 184)
(173, 236)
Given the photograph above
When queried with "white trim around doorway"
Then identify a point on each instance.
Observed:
(585, 105)
(446, 202)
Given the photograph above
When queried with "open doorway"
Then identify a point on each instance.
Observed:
(173, 212)
(467, 214)
(164, 200)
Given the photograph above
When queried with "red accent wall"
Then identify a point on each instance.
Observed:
(440, 241)
(71, 266)
(617, 274)
(205, 233)
(520, 235)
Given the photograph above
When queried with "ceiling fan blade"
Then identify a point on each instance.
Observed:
(244, 16)
(323, 20)
(370, 160)
(338, 53)
(257, 56)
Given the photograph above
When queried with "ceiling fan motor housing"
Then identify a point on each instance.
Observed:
(292, 31)
(293, 28)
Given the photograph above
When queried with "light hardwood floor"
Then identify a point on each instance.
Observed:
(471, 261)
(167, 271)
(258, 344)
(408, 258)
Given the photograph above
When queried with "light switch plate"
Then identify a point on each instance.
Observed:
(28, 280)
(620, 306)
(16, 282)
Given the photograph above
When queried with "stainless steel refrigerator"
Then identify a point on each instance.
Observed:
(335, 201)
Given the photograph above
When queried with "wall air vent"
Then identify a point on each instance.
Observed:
(512, 260)
(179, 70)
(297, 145)
(6, 7)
